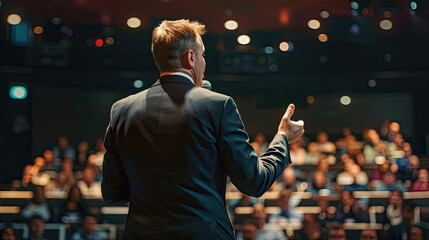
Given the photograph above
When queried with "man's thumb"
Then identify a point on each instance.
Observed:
(289, 111)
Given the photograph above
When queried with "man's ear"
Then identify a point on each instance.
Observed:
(188, 59)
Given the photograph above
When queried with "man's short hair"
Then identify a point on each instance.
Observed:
(171, 39)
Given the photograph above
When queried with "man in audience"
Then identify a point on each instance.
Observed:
(63, 150)
(287, 212)
(37, 229)
(89, 230)
(88, 186)
(349, 210)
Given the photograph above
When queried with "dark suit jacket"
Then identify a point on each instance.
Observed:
(169, 151)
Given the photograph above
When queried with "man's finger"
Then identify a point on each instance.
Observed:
(289, 111)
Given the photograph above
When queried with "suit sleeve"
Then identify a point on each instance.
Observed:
(250, 174)
(115, 186)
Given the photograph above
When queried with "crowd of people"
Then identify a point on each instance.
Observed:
(75, 175)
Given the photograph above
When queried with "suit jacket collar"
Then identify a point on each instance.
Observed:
(172, 79)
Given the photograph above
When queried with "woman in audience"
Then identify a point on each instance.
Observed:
(37, 207)
(422, 182)
(393, 217)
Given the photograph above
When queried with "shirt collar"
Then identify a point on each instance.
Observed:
(180, 74)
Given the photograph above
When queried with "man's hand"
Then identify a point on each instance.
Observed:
(291, 129)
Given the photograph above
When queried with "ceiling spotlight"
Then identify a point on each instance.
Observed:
(313, 24)
(243, 39)
(14, 19)
(231, 25)
(134, 22)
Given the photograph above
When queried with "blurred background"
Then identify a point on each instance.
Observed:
(357, 70)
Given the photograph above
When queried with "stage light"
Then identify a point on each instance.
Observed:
(284, 46)
(354, 5)
(310, 99)
(323, 37)
(413, 5)
(99, 42)
(269, 50)
(38, 30)
(324, 14)
(231, 25)
(56, 21)
(109, 41)
(386, 24)
(345, 100)
(134, 22)
(372, 83)
(14, 19)
(18, 92)
(138, 84)
(243, 39)
(313, 24)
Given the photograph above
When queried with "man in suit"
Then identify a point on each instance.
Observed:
(171, 147)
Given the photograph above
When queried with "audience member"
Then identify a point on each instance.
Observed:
(8, 233)
(262, 141)
(260, 217)
(349, 210)
(25, 184)
(88, 186)
(63, 150)
(313, 154)
(39, 177)
(422, 182)
(287, 212)
(325, 146)
(89, 230)
(37, 207)
(368, 234)
(336, 232)
(82, 156)
(48, 155)
(393, 217)
(389, 183)
(37, 229)
(58, 187)
(374, 147)
(298, 153)
(321, 185)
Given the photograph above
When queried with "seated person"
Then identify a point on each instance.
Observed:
(37, 207)
(388, 183)
(349, 210)
(287, 212)
(313, 154)
(37, 229)
(321, 185)
(422, 182)
(393, 217)
(259, 217)
(375, 147)
(89, 230)
(368, 234)
(8, 233)
(25, 184)
(88, 186)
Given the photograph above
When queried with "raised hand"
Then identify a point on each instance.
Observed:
(291, 129)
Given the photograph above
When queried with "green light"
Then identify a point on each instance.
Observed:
(18, 92)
